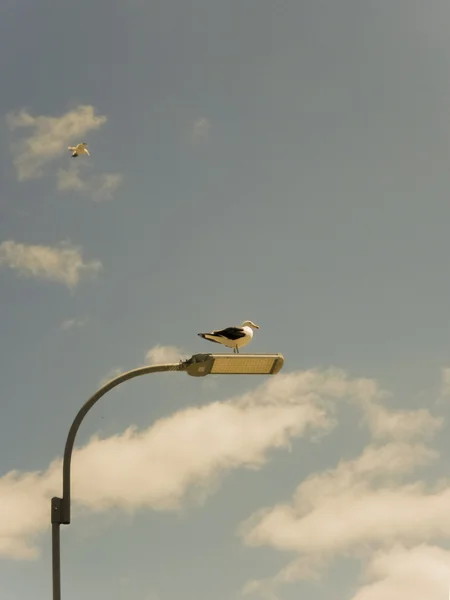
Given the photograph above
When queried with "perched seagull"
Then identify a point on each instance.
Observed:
(232, 337)
(80, 149)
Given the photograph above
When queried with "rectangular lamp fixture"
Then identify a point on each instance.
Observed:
(234, 364)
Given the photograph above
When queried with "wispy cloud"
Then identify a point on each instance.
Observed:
(63, 264)
(49, 137)
(407, 574)
(201, 129)
(104, 185)
(100, 186)
(73, 323)
(70, 180)
(114, 372)
(165, 354)
(401, 424)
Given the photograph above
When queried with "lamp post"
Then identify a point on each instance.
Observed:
(199, 365)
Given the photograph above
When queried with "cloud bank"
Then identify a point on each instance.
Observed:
(373, 507)
(166, 465)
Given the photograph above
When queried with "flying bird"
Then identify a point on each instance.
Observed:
(232, 337)
(80, 149)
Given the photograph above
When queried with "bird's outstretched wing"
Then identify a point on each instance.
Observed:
(231, 333)
(87, 151)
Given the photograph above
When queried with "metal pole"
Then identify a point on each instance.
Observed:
(56, 557)
(60, 507)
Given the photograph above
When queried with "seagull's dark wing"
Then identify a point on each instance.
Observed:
(231, 333)
(205, 337)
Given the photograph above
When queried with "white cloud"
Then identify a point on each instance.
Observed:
(401, 424)
(407, 574)
(201, 129)
(49, 138)
(165, 354)
(104, 185)
(101, 186)
(166, 465)
(361, 504)
(63, 264)
(73, 323)
(309, 523)
(19, 514)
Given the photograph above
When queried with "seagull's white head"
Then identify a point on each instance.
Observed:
(250, 324)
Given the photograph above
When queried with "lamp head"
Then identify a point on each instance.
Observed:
(200, 365)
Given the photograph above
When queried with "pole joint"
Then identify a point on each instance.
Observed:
(56, 511)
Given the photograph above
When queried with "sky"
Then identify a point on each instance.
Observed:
(286, 163)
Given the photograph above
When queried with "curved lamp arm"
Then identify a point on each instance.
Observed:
(61, 507)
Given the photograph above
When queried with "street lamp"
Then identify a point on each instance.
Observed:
(199, 365)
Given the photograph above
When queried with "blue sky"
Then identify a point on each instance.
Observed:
(286, 163)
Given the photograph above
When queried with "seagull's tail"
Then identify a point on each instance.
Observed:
(209, 337)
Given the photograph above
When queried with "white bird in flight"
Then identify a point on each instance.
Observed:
(232, 337)
(80, 149)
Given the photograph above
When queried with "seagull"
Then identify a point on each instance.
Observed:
(232, 337)
(80, 149)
